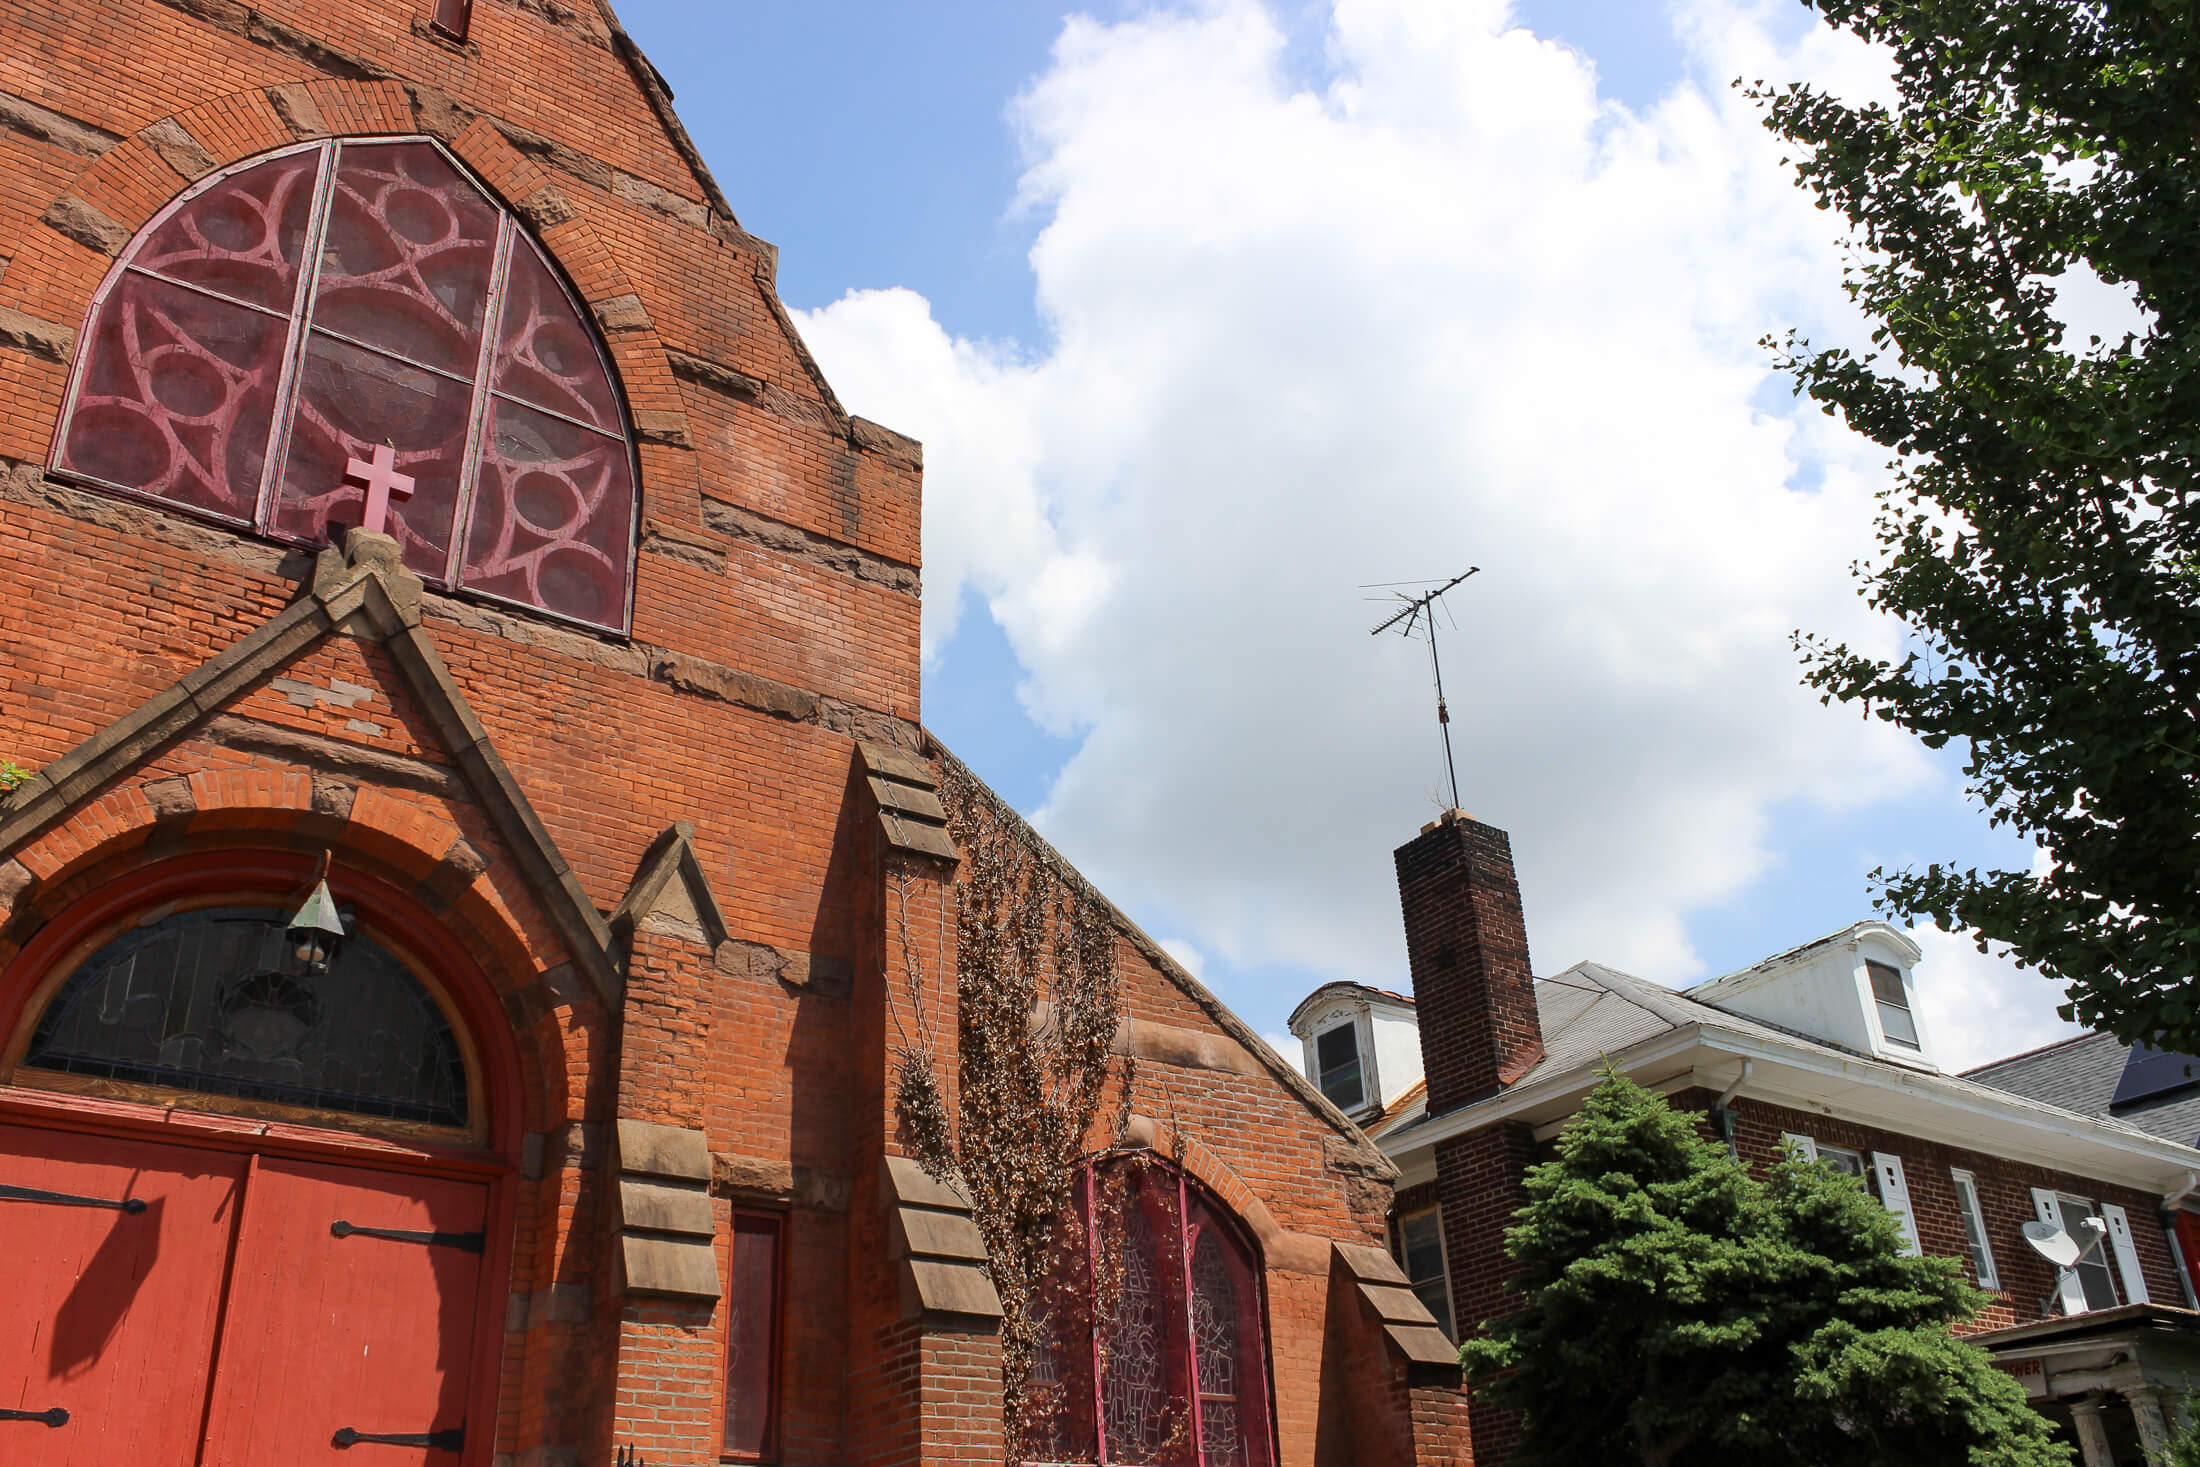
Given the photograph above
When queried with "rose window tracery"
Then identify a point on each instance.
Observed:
(303, 309)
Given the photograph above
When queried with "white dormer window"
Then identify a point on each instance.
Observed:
(1359, 1045)
(1337, 1054)
(1896, 1021)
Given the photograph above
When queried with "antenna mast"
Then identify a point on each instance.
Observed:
(1416, 611)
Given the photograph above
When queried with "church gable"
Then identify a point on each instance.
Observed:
(274, 697)
(1205, 1081)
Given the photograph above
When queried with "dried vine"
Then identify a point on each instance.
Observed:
(1038, 1003)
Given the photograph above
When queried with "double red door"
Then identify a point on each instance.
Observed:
(164, 1304)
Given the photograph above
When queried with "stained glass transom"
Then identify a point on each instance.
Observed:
(295, 313)
(1176, 1372)
(216, 1001)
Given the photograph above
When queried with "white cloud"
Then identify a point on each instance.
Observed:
(1188, 956)
(1980, 1006)
(1287, 1045)
(1451, 309)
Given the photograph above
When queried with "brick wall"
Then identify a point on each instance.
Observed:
(1467, 946)
(2005, 1200)
(1479, 1185)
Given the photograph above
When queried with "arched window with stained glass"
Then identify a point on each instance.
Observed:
(308, 308)
(1152, 1350)
(220, 1004)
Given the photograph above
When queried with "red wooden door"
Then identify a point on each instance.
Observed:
(106, 1314)
(335, 1325)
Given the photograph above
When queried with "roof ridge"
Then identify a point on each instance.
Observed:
(1665, 1003)
(2010, 1059)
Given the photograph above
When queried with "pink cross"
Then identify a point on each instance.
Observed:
(382, 480)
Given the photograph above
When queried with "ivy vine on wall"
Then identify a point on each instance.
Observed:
(1038, 1001)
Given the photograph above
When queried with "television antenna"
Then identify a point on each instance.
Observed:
(1413, 614)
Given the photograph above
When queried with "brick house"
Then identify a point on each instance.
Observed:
(1821, 1047)
(480, 856)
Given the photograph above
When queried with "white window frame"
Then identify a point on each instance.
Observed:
(2070, 1207)
(1972, 1214)
(1881, 1173)
(1915, 1047)
(1363, 1045)
(1820, 1152)
(2047, 1206)
(1443, 1254)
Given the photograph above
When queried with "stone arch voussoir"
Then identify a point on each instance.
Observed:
(403, 845)
(1205, 1166)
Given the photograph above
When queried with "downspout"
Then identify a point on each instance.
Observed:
(1722, 1112)
(2167, 1217)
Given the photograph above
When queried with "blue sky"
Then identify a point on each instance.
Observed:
(885, 150)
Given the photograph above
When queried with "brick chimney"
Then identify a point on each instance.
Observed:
(1468, 951)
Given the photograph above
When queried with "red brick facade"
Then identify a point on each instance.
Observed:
(203, 706)
(2005, 1200)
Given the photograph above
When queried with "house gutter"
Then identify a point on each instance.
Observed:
(2155, 1155)
(1722, 1108)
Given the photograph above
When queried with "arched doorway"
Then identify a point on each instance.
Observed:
(252, 1179)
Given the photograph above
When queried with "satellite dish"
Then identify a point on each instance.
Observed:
(2053, 1244)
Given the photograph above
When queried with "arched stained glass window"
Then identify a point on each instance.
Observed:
(216, 1002)
(295, 313)
(1151, 1349)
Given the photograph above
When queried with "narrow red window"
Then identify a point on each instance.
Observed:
(1151, 1346)
(343, 300)
(452, 17)
(752, 1338)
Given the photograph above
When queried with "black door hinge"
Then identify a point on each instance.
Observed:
(464, 1242)
(130, 1205)
(450, 1439)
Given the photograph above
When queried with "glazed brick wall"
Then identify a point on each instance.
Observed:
(765, 644)
(1467, 946)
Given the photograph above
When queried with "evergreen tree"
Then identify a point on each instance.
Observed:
(2042, 538)
(1878, 1378)
(1677, 1311)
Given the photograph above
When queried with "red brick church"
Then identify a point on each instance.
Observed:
(474, 856)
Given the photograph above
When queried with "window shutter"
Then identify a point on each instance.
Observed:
(1895, 1193)
(2127, 1254)
(1972, 1213)
(1803, 1144)
(2050, 1212)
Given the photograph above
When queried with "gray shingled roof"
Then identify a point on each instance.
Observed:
(1600, 1009)
(2080, 1074)
(1590, 1011)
